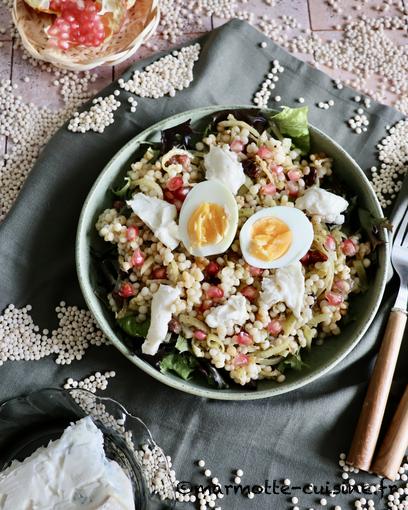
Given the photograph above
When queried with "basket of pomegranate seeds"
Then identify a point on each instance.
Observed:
(83, 34)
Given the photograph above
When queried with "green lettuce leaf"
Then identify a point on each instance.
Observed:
(373, 227)
(182, 344)
(123, 191)
(133, 328)
(292, 123)
(182, 364)
(294, 361)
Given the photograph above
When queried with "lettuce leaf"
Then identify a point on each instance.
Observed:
(294, 361)
(292, 123)
(373, 227)
(182, 364)
(132, 327)
(123, 191)
(182, 344)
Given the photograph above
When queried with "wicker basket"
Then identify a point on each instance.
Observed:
(140, 23)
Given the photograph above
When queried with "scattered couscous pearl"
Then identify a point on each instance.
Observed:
(263, 94)
(97, 118)
(166, 76)
(345, 476)
(92, 383)
(29, 127)
(286, 482)
(301, 100)
(392, 154)
(239, 472)
(323, 501)
(201, 463)
(237, 480)
(22, 339)
(278, 99)
(207, 473)
(295, 500)
(251, 495)
(263, 44)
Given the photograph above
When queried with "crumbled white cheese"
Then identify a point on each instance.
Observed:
(234, 311)
(160, 316)
(222, 165)
(71, 473)
(318, 201)
(159, 216)
(287, 284)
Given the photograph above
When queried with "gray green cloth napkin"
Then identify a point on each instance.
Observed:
(297, 435)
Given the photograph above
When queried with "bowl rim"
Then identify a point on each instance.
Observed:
(180, 384)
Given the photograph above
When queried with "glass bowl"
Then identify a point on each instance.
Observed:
(31, 421)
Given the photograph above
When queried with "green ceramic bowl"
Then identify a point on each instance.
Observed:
(320, 359)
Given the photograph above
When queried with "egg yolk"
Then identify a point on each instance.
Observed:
(207, 224)
(270, 239)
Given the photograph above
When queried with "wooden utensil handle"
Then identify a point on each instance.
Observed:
(369, 424)
(392, 451)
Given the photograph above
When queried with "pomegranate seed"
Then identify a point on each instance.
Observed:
(131, 233)
(268, 189)
(243, 338)
(349, 248)
(294, 175)
(241, 360)
(212, 269)
(249, 292)
(77, 23)
(168, 196)
(174, 183)
(237, 146)
(181, 193)
(126, 290)
(293, 188)
(178, 204)
(313, 256)
(184, 160)
(277, 169)
(159, 273)
(340, 285)
(215, 292)
(174, 326)
(330, 243)
(137, 258)
(255, 271)
(334, 298)
(264, 152)
(274, 327)
(181, 159)
(118, 204)
(200, 335)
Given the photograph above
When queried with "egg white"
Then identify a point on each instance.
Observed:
(216, 193)
(298, 223)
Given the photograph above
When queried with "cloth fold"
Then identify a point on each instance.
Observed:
(297, 435)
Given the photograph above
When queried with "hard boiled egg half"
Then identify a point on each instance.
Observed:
(208, 219)
(275, 237)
